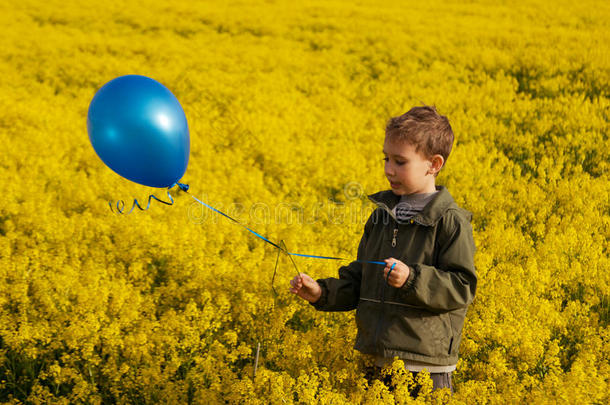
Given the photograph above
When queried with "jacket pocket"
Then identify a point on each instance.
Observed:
(417, 331)
(439, 328)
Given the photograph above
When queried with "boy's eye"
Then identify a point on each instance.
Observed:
(398, 162)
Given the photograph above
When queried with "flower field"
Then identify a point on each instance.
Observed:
(287, 104)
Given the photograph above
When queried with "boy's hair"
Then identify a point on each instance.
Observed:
(425, 129)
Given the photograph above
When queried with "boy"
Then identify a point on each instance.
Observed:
(414, 307)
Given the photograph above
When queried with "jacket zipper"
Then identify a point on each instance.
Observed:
(381, 318)
(387, 209)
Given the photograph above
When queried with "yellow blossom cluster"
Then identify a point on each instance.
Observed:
(287, 103)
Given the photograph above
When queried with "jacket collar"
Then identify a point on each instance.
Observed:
(435, 209)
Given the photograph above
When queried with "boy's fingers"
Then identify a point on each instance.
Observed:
(390, 262)
(389, 266)
(306, 280)
(296, 285)
(387, 271)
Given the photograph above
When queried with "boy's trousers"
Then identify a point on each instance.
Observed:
(439, 380)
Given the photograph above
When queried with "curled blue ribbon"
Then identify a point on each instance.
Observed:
(120, 204)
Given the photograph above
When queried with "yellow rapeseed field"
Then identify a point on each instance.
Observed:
(287, 103)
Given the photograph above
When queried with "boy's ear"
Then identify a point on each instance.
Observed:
(436, 163)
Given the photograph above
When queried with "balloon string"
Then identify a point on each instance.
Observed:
(120, 204)
(281, 248)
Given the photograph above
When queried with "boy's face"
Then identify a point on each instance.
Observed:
(408, 171)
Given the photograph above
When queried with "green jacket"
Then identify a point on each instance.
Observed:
(423, 319)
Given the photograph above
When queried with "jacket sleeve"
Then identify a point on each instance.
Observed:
(343, 294)
(452, 283)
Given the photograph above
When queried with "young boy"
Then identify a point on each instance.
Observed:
(414, 307)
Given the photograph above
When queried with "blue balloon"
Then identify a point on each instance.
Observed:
(138, 128)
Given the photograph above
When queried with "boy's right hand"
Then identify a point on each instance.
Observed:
(306, 287)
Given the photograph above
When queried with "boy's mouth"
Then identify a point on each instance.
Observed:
(394, 185)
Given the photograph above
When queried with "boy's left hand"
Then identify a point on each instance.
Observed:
(398, 275)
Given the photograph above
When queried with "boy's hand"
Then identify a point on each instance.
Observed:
(398, 275)
(306, 287)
